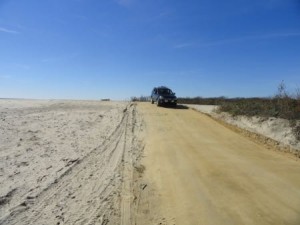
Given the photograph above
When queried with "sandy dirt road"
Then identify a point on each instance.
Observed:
(199, 172)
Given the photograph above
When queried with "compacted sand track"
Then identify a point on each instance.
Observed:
(204, 173)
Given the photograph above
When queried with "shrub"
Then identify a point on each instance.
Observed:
(201, 100)
(282, 105)
(140, 99)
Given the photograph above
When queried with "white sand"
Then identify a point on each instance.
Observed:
(60, 160)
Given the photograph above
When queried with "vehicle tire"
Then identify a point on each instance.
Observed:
(152, 101)
(157, 103)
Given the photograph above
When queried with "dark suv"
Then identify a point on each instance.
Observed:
(163, 96)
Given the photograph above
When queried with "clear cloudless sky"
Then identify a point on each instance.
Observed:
(93, 49)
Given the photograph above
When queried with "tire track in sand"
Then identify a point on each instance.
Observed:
(88, 192)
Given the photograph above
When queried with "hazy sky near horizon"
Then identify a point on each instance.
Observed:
(92, 49)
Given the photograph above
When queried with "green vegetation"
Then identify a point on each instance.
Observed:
(202, 101)
(281, 105)
(286, 108)
(140, 99)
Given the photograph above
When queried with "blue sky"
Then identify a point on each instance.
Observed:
(92, 49)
